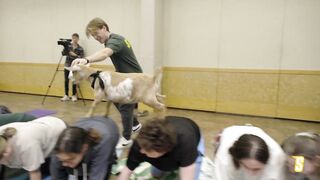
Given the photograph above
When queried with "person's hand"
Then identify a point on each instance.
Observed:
(71, 53)
(78, 61)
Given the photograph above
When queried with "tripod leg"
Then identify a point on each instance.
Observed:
(49, 86)
(78, 86)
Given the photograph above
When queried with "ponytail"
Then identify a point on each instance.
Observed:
(94, 136)
(7, 134)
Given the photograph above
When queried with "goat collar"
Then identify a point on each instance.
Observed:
(95, 76)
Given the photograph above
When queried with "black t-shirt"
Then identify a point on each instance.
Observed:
(183, 154)
(78, 51)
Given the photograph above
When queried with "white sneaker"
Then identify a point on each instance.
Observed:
(123, 143)
(136, 128)
(65, 98)
(74, 98)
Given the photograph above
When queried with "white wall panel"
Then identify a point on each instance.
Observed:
(191, 33)
(30, 29)
(302, 35)
(251, 34)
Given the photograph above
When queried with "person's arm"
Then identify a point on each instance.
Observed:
(101, 158)
(57, 171)
(35, 175)
(222, 169)
(71, 53)
(96, 57)
(125, 174)
(188, 172)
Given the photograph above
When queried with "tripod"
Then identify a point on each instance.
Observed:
(54, 76)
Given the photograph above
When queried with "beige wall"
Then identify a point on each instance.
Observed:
(242, 34)
(245, 34)
(30, 29)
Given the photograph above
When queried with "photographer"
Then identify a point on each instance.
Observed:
(73, 51)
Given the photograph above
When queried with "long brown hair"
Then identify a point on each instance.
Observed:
(249, 146)
(72, 139)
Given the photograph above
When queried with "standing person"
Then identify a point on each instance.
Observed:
(28, 145)
(75, 51)
(168, 145)
(303, 156)
(122, 56)
(248, 153)
(86, 150)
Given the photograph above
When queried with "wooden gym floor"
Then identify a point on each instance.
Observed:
(209, 122)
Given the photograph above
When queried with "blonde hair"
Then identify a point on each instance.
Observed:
(95, 24)
(7, 134)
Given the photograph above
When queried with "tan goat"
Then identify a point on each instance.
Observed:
(123, 88)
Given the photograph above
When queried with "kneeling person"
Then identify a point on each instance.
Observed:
(85, 150)
(168, 145)
(27, 145)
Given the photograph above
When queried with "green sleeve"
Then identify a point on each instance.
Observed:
(15, 117)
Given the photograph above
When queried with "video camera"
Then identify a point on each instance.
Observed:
(66, 43)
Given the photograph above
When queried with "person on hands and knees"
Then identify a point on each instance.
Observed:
(248, 153)
(124, 60)
(28, 145)
(303, 156)
(74, 51)
(167, 144)
(86, 150)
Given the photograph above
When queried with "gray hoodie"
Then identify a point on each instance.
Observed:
(97, 160)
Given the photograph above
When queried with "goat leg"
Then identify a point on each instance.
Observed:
(107, 109)
(91, 110)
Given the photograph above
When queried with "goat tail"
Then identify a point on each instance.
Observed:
(157, 78)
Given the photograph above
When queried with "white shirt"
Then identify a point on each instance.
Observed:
(225, 168)
(33, 142)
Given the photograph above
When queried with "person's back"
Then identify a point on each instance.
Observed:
(85, 149)
(303, 156)
(227, 169)
(33, 141)
(167, 144)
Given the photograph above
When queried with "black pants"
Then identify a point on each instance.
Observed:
(128, 118)
(66, 84)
